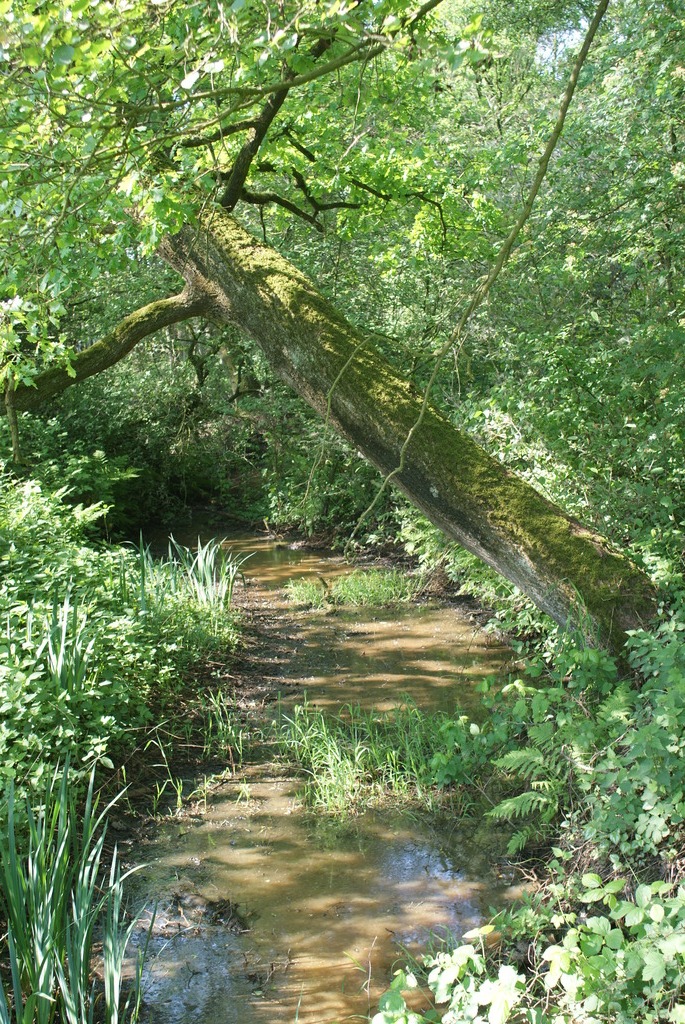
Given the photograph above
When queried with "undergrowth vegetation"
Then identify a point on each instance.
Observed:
(61, 908)
(95, 644)
(621, 966)
(588, 769)
(357, 758)
(92, 636)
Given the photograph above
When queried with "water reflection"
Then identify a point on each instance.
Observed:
(326, 911)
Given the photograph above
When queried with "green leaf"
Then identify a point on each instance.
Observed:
(615, 939)
(643, 895)
(654, 968)
(64, 54)
(615, 885)
(592, 896)
(599, 925)
(634, 916)
(392, 1001)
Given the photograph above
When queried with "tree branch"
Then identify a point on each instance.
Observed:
(434, 203)
(241, 168)
(243, 161)
(369, 188)
(263, 198)
(307, 153)
(317, 207)
(193, 141)
(113, 347)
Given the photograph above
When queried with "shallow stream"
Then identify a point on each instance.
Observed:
(268, 914)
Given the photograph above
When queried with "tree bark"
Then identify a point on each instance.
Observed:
(568, 570)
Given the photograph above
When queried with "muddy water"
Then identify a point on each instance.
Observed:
(372, 657)
(311, 915)
(378, 659)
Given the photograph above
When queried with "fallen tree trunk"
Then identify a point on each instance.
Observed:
(568, 570)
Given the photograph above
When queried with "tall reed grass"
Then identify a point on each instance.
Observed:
(207, 575)
(184, 583)
(59, 909)
(65, 647)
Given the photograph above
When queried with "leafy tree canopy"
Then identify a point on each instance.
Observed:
(122, 120)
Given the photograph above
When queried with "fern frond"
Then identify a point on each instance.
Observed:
(520, 806)
(525, 761)
(545, 785)
(619, 706)
(520, 839)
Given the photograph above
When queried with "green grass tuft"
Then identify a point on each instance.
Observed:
(369, 588)
(359, 758)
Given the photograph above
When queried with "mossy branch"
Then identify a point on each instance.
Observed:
(114, 346)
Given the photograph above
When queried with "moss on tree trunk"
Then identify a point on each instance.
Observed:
(568, 570)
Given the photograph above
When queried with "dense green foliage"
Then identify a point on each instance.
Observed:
(623, 966)
(92, 636)
(392, 174)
